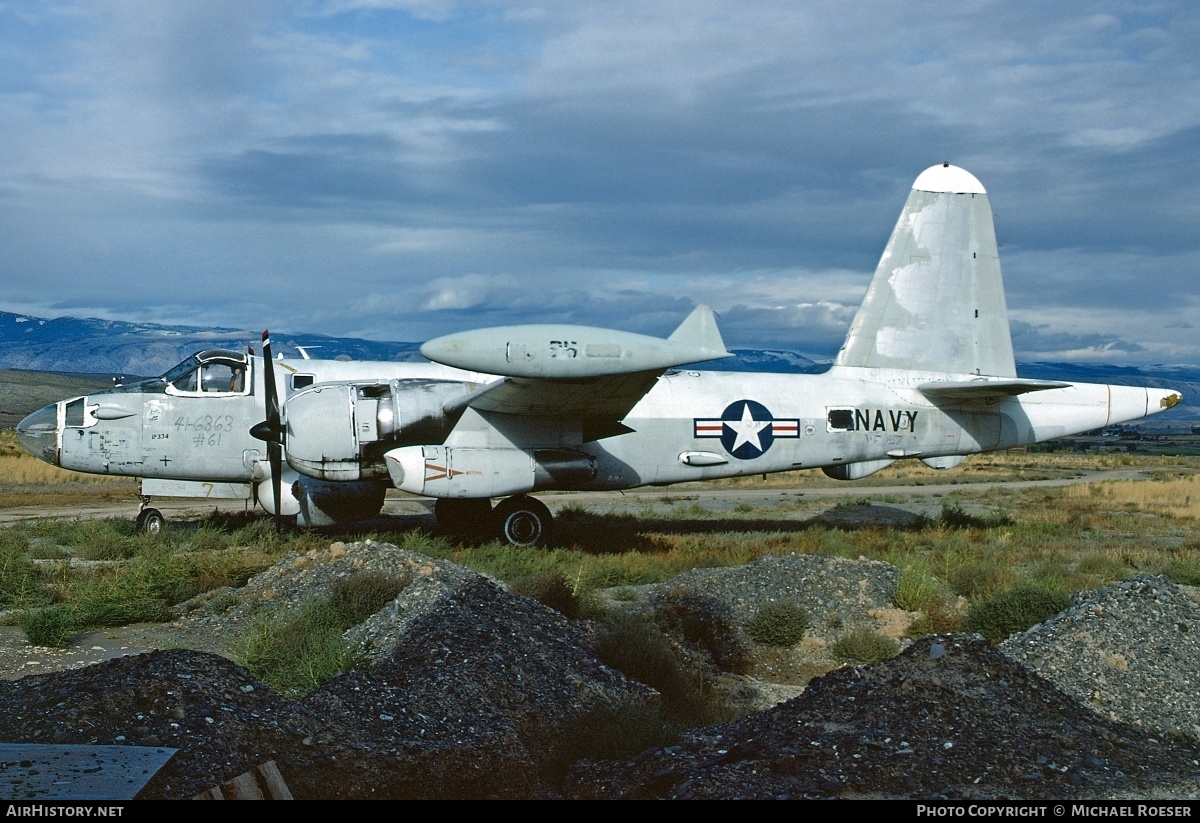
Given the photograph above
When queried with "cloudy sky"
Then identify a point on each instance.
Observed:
(400, 169)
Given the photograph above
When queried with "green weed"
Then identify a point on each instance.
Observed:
(778, 624)
(296, 650)
(916, 590)
(49, 626)
(955, 517)
(549, 587)
(980, 578)
(610, 734)
(637, 648)
(1014, 610)
(20, 582)
(862, 645)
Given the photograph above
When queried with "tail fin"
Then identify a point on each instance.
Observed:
(936, 302)
(699, 330)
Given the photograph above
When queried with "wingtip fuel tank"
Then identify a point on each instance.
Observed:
(566, 351)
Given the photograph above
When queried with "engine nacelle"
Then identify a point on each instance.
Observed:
(440, 471)
(339, 431)
(321, 503)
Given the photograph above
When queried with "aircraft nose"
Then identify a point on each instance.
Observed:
(38, 434)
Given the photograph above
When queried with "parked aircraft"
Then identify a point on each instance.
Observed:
(926, 373)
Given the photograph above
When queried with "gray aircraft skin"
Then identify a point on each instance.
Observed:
(926, 372)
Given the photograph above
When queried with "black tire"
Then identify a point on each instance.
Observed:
(464, 517)
(150, 521)
(523, 521)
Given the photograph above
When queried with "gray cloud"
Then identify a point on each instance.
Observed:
(397, 169)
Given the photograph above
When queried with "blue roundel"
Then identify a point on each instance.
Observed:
(746, 430)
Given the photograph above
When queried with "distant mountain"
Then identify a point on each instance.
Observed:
(68, 344)
(774, 360)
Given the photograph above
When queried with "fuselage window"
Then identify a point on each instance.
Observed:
(74, 415)
(841, 419)
(299, 381)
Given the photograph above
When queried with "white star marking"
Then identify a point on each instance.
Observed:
(747, 429)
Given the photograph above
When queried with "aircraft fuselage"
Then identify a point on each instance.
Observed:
(692, 425)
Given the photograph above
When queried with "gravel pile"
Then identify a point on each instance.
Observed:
(1130, 652)
(835, 591)
(475, 691)
(950, 718)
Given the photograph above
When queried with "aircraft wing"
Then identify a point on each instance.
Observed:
(985, 389)
(600, 403)
(573, 372)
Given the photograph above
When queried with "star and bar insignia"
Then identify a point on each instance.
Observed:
(746, 428)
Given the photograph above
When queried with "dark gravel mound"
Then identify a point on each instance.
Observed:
(220, 718)
(951, 718)
(476, 692)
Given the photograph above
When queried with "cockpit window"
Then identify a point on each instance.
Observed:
(211, 371)
(176, 373)
(222, 376)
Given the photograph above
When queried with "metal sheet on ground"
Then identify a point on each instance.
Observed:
(32, 771)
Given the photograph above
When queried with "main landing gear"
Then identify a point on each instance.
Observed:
(519, 521)
(150, 520)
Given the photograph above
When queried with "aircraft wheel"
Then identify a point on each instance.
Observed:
(523, 521)
(150, 521)
(463, 516)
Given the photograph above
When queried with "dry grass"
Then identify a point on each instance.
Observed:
(19, 468)
(1177, 496)
(27, 481)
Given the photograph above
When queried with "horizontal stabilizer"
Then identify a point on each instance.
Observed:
(985, 389)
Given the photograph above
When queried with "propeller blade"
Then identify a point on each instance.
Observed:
(275, 428)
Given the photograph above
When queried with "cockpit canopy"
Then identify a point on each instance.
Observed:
(209, 371)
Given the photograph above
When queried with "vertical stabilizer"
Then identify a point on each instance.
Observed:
(936, 302)
(699, 330)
